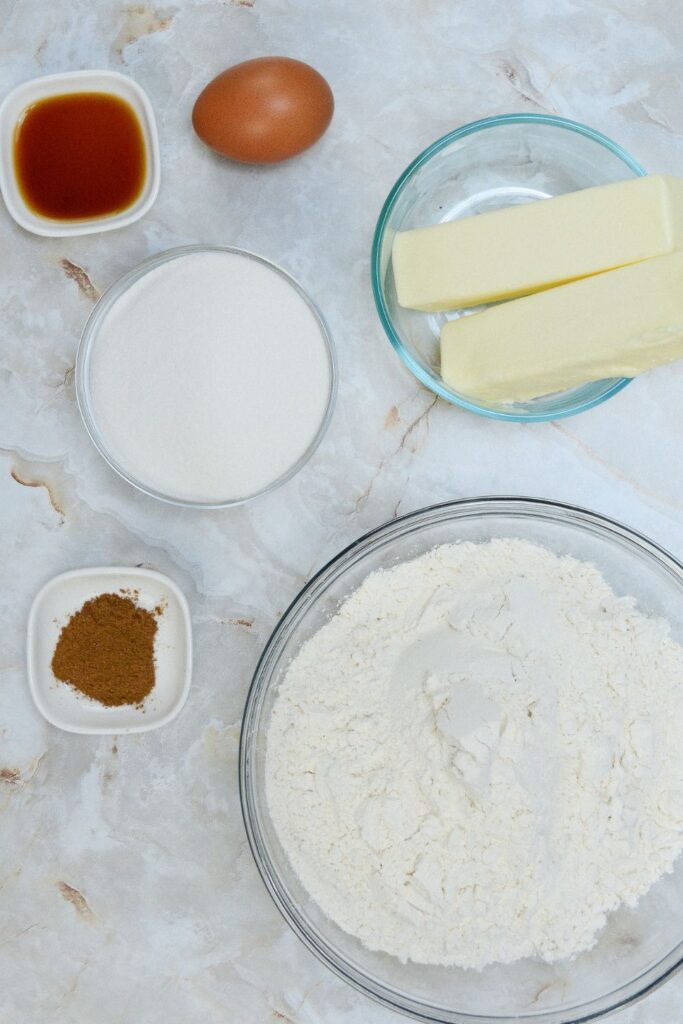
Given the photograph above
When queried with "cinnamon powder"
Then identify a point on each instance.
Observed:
(106, 650)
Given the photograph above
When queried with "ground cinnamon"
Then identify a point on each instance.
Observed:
(106, 650)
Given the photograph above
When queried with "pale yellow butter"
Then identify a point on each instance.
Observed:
(524, 249)
(616, 324)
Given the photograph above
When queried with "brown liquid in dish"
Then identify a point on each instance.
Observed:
(79, 155)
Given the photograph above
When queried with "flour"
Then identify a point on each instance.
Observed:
(478, 757)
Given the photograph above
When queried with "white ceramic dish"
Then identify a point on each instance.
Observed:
(61, 704)
(36, 89)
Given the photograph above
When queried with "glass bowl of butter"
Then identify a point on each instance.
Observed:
(492, 164)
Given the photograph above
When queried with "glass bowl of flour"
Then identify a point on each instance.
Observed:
(206, 376)
(460, 764)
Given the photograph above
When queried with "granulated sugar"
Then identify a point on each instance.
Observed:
(209, 377)
(478, 757)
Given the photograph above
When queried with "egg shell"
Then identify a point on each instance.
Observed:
(264, 110)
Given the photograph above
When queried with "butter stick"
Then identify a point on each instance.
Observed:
(524, 249)
(617, 324)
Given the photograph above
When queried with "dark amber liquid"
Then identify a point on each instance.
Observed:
(79, 155)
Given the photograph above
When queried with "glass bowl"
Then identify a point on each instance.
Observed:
(483, 166)
(638, 948)
(89, 341)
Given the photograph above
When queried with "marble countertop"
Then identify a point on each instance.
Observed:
(128, 889)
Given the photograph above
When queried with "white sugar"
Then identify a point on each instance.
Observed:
(210, 377)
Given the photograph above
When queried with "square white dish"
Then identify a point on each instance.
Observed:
(21, 97)
(72, 711)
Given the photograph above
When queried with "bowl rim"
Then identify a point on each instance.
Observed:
(437, 386)
(523, 507)
(89, 338)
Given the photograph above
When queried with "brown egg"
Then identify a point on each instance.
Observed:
(264, 110)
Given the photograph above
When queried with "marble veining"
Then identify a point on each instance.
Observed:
(127, 887)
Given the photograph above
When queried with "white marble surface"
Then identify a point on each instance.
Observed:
(127, 888)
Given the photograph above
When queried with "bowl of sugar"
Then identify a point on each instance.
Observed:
(206, 376)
